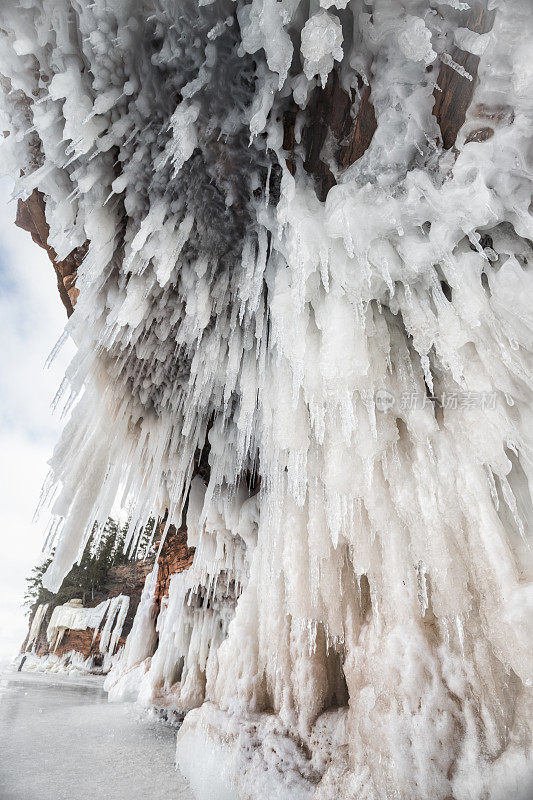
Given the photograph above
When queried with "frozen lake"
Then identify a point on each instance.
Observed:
(61, 740)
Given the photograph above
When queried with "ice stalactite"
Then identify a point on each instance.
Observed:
(112, 630)
(142, 639)
(124, 681)
(36, 623)
(312, 335)
(202, 600)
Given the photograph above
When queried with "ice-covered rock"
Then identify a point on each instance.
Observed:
(321, 44)
(74, 616)
(338, 390)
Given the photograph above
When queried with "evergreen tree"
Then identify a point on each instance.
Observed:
(84, 579)
(35, 592)
(145, 539)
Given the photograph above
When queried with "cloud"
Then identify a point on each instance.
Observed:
(31, 321)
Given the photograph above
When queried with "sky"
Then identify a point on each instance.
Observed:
(32, 318)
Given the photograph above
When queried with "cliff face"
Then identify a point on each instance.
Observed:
(175, 557)
(126, 580)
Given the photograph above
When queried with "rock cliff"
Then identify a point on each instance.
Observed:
(126, 580)
(31, 217)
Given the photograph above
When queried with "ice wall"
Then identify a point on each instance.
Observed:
(360, 627)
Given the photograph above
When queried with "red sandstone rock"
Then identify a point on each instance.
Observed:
(175, 557)
(31, 217)
(126, 579)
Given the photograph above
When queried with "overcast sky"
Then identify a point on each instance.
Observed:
(31, 321)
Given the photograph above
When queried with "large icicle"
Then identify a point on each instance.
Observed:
(36, 624)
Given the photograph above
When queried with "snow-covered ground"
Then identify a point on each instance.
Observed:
(61, 740)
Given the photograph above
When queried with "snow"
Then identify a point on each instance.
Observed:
(70, 663)
(355, 619)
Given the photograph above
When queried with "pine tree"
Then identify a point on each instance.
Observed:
(145, 539)
(85, 578)
(35, 592)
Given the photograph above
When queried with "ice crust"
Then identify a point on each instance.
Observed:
(72, 663)
(361, 626)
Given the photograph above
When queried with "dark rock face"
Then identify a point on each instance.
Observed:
(455, 91)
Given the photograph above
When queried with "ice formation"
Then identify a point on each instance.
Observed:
(73, 616)
(70, 663)
(36, 624)
(336, 392)
(321, 44)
